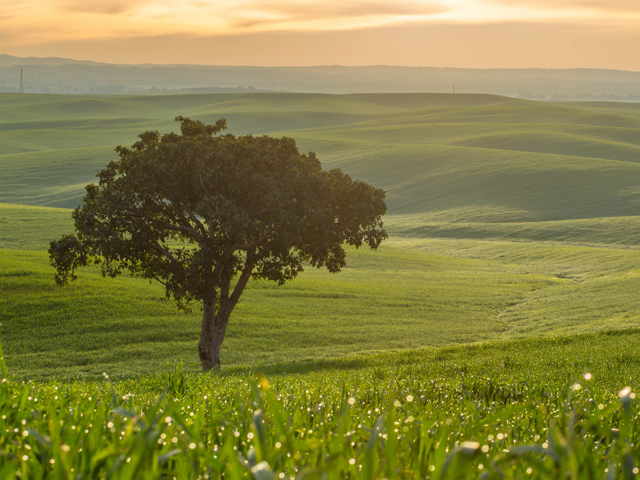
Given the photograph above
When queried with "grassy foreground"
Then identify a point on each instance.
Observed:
(502, 410)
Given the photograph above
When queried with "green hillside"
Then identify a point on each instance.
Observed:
(502, 168)
(409, 294)
(32, 228)
(508, 218)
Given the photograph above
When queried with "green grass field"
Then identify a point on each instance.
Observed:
(511, 272)
(443, 159)
(412, 293)
(508, 218)
(541, 409)
(388, 300)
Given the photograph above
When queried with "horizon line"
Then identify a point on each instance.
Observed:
(306, 66)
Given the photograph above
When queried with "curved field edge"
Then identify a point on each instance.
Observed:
(455, 291)
(540, 408)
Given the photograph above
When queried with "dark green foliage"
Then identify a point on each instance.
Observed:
(202, 214)
(194, 211)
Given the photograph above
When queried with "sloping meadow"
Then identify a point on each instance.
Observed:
(509, 220)
(526, 409)
(411, 293)
(485, 161)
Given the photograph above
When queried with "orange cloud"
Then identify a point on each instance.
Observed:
(487, 32)
(340, 13)
(361, 8)
(621, 6)
(38, 21)
(500, 44)
(97, 7)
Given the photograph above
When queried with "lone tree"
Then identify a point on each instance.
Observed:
(203, 213)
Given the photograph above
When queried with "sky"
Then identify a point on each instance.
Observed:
(443, 33)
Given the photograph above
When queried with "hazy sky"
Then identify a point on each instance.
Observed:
(455, 33)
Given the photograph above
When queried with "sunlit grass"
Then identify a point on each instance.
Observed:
(391, 299)
(546, 409)
(428, 292)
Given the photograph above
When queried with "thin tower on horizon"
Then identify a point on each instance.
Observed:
(21, 86)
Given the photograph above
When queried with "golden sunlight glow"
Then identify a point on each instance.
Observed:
(32, 26)
(46, 20)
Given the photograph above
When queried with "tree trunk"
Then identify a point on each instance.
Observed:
(205, 345)
(212, 334)
(214, 326)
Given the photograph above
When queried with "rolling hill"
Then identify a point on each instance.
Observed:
(508, 218)
(480, 160)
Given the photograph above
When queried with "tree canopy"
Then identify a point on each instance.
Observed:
(202, 213)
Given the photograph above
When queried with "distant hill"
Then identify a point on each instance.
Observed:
(60, 75)
(461, 166)
(9, 60)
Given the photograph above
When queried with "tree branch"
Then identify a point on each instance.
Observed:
(157, 279)
(244, 278)
(184, 229)
(194, 219)
(256, 243)
(226, 285)
(185, 226)
(146, 221)
(159, 248)
(218, 270)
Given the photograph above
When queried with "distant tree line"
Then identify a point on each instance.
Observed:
(581, 96)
